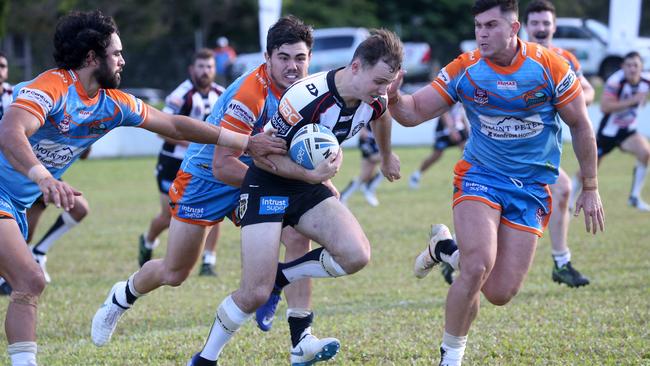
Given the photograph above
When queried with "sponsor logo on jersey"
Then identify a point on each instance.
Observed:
(357, 128)
(190, 212)
(97, 128)
(566, 83)
(279, 124)
(61, 75)
(532, 98)
(506, 85)
(475, 187)
(511, 128)
(240, 112)
(243, 205)
(84, 114)
(444, 76)
(290, 114)
(64, 124)
(37, 96)
(312, 89)
(480, 96)
(271, 205)
(55, 155)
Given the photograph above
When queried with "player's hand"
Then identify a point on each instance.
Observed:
(393, 88)
(328, 183)
(263, 144)
(390, 166)
(327, 168)
(58, 192)
(589, 202)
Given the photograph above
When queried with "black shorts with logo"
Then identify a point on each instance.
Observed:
(443, 141)
(606, 144)
(166, 170)
(266, 197)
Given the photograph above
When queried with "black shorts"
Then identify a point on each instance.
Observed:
(443, 141)
(266, 197)
(607, 143)
(166, 170)
(368, 147)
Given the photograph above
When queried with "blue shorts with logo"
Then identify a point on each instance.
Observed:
(266, 197)
(202, 202)
(12, 209)
(523, 206)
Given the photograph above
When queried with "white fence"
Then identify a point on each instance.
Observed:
(123, 142)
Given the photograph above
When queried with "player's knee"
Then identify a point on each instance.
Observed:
(357, 260)
(176, 278)
(258, 296)
(500, 297)
(31, 282)
(644, 157)
(474, 273)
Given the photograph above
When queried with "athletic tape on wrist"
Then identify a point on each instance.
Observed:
(232, 139)
(37, 173)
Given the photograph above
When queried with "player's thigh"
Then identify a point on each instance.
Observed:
(638, 146)
(17, 265)
(296, 244)
(476, 225)
(334, 227)
(260, 245)
(184, 244)
(516, 249)
(562, 186)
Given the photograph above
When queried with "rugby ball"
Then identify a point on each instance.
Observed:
(312, 144)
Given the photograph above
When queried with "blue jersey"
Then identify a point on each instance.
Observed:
(512, 110)
(246, 105)
(70, 122)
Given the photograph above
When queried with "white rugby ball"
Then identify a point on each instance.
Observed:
(312, 144)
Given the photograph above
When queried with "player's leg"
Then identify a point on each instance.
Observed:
(260, 246)
(209, 257)
(64, 223)
(563, 271)
(34, 214)
(20, 270)
(638, 146)
(370, 179)
(149, 240)
(476, 233)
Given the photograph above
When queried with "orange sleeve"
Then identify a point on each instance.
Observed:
(446, 80)
(245, 107)
(41, 95)
(565, 82)
(134, 110)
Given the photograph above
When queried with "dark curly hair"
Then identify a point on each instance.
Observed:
(288, 30)
(77, 33)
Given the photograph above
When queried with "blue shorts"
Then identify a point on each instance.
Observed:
(202, 202)
(11, 209)
(523, 206)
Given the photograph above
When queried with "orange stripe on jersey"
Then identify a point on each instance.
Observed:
(176, 191)
(124, 99)
(573, 61)
(6, 214)
(247, 104)
(566, 83)
(452, 70)
(52, 83)
(483, 200)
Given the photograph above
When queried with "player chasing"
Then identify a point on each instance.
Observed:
(512, 92)
(344, 101)
(53, 119)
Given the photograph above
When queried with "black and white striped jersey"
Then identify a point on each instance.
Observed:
(315, 99)
(625, 119)
(186, 100)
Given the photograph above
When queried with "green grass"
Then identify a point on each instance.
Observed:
(382, 315)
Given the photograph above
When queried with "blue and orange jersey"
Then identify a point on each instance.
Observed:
(512, 109)
(246, 105)
(570, 58)
(70, 122)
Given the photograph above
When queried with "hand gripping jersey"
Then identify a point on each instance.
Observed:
(244, 107)
(186, 100)
(315, 99)
(626, 119)
(512, 109)
(70, 122)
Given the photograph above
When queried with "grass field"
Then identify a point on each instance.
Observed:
(382, 315)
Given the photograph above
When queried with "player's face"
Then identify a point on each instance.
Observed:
(541, 27)
(494, 31)
(4, 69)
(203, 72)
(632, 69)
(371, 82)
(288, 64)
(108, 73)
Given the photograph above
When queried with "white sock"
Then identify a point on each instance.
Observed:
(324, 267)
(454, 347)
(22, 353)
(375, 181)
(638, 179)
(52, 236)
(453, 259)
(150, 244)
(351, 188)
(228, 320)
(561, 258)
(209, 257)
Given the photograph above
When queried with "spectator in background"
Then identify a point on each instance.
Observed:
(224, 56)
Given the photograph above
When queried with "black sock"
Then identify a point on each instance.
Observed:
(130, 297)
(281, 280)
(297, 326)
(200, 361)
(57, 224)
(447, 246)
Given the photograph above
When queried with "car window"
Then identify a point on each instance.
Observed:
(332, 42)
(571, 32)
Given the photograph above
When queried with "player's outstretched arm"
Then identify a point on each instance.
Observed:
(184, 128)
(411, 110)
(584, 146)
(16, 126)
(390, 164)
